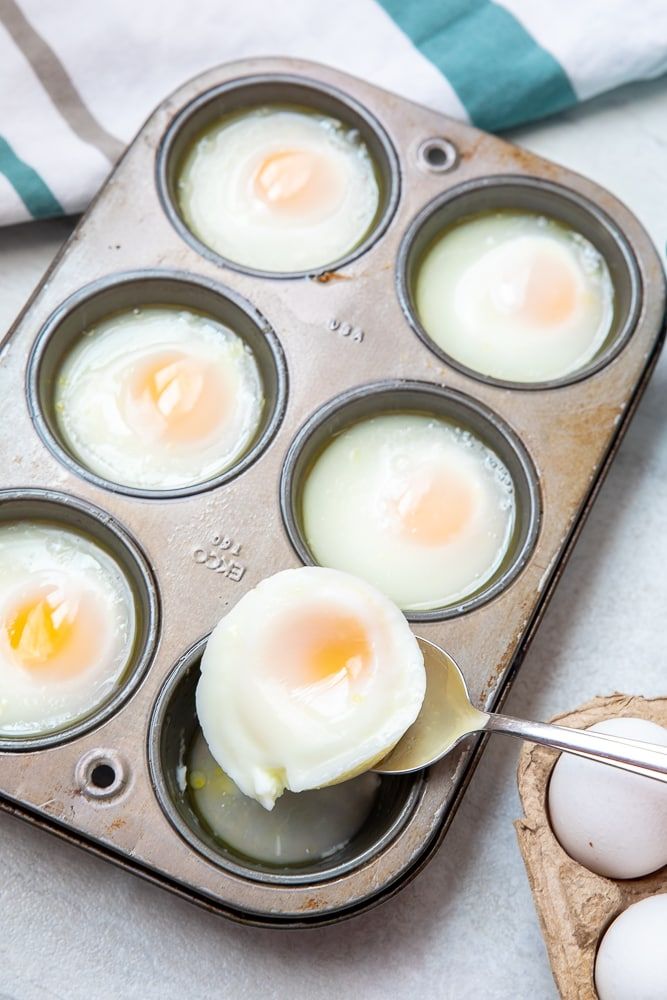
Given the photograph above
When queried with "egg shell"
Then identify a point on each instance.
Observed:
(613, 822)
(632, 959)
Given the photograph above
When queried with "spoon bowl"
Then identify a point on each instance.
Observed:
(447, 716)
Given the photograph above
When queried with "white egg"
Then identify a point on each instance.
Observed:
(67, 627)
(302, 828)
(515, 296)
(310, 679)
(279, 189)
(631, 963)
(612, 822)
(417, 506)
(158, 398)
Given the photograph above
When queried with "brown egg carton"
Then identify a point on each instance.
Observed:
(333, 346)
(574, 905)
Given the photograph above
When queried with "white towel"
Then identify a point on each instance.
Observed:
(77, 78)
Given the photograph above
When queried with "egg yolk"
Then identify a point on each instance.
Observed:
(433, 508)
(298, 182)
(539, 289)
(52, 631)
(322, 646)
(175, 397)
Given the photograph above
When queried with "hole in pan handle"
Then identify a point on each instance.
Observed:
(438, 155)
(101, 774)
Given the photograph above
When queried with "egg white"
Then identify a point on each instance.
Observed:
(469, 286)
(220, 206)
(346, 492)
(95, 373)
(269, 736)
(38, 553)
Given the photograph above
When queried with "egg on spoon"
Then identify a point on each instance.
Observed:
(310, 679)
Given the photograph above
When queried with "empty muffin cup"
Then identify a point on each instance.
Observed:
(156, 384)
(519, 282)
(419, 489)
(78, 617)
(278, 176)
(308, 837)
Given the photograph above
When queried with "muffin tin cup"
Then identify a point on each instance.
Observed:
(133, 290)
(63, 511)
(172, 729)
(276, 89)
(338, 334)
(575, 906)
(406, 396)
(535, 195)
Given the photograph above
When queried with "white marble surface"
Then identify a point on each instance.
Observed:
(77, 928)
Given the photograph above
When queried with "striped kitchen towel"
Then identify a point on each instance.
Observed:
(78, 78)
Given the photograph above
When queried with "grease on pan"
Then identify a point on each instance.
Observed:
(302, 828)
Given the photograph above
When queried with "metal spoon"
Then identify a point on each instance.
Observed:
(447, 716)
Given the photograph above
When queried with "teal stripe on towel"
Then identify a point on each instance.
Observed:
(29, 186)
(500, 73)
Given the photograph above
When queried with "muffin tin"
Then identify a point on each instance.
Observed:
(331, 345)
(575, 906)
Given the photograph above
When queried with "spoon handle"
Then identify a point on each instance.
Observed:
(647, 759)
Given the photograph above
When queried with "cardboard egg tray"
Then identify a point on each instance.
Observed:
(348, 335)
(575, 906)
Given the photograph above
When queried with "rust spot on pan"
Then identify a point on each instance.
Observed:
(328, 276)
(528, 163)
(310, 904)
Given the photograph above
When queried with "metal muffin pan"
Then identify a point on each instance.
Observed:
(329, 336)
